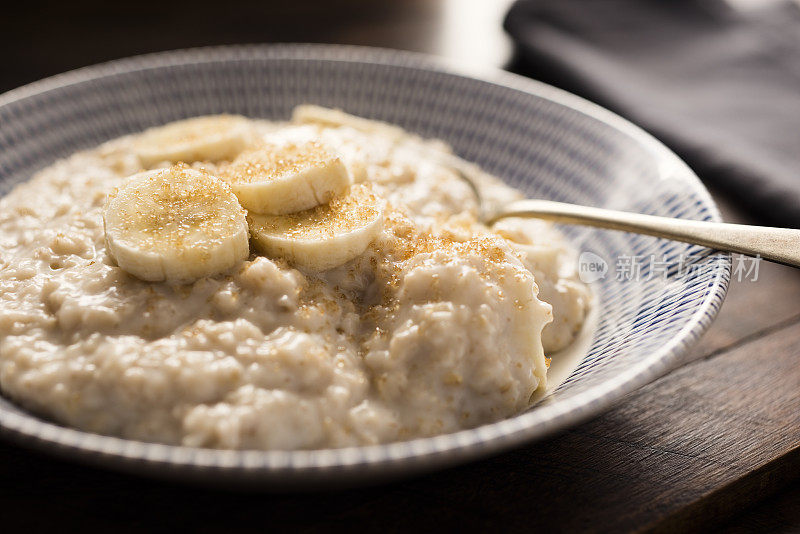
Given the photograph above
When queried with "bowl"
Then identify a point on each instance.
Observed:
(653, 297)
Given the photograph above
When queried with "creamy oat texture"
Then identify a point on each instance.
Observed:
(435, 327)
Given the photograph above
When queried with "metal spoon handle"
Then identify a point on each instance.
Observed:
(781, 245)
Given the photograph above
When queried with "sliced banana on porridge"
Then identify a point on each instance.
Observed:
(210, 138)
(275, 179)
(432, 323)
(175, 224)
(327, 117)
(325, 236)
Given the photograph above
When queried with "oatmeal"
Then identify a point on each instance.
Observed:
(369, 306)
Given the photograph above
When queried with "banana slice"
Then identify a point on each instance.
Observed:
(175, 224)
(277, 179)
(348, 144)
(310, 114)
(209, 138)
(324, 237)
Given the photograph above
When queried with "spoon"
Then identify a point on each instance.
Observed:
(781, 245)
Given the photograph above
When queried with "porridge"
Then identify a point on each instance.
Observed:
(233, 283)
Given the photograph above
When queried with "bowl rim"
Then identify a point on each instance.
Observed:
(392, 458)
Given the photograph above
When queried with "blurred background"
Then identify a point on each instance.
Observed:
(43, 38)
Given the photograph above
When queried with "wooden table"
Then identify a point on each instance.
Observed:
(715, 443)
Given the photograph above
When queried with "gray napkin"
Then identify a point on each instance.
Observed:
(719, 86)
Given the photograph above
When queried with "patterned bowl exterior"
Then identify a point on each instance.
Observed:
(546, 142)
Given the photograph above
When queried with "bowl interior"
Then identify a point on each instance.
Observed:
(656, 295)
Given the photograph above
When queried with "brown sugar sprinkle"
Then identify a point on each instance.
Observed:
(485, 246)
(182, 203)
(403, 240)
(409, 241)
(342, 214)
(268, 161)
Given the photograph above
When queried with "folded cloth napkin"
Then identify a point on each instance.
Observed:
(718, 85)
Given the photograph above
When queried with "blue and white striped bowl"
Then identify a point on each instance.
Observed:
(546, 142)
